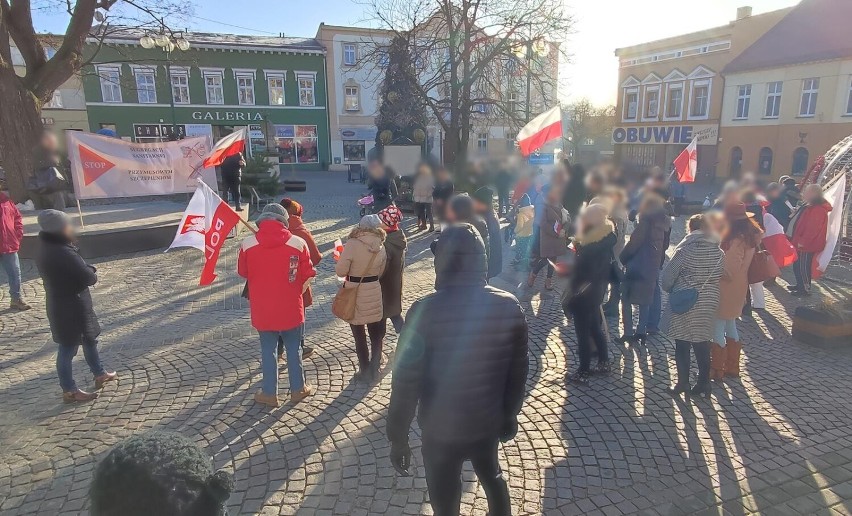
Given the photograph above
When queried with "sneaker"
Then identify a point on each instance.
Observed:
(19, 305)
(307, 351)
(104, 378)
(603, 368)
(78, 396)
(578, 377)
(800, 293)
(270, 400)
(298, 396)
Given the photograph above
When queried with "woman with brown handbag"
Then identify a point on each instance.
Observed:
(359, 301)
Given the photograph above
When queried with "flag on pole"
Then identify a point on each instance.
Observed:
(227, 146)
(204, 225)
(776, 242)
(540, 130)
(834, 195)
(687, 162)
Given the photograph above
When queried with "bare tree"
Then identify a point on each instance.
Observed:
(587, 121)
(477, 59)
(22, 96)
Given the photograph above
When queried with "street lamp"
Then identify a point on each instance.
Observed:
(536, 47)
(168, 43)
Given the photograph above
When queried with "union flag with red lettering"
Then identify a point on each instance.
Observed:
(205, 225)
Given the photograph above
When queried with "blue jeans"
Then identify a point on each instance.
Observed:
(627, 318)
(63, 363)
(725, 328)
(655, 310)
(13, 271)
(269, 359)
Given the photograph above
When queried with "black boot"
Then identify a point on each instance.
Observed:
(702, 391)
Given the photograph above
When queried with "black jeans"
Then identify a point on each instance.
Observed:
(589, 328)
(540, 264)
(682, 361)
(232, 186)
(376, 331)
(424, 213)
(443, 463)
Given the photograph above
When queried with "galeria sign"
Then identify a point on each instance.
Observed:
(666, 134)
(104, 167)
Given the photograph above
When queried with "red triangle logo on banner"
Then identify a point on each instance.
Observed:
(94, 165)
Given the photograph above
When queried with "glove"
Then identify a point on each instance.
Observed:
(400, 457)
(510, 430)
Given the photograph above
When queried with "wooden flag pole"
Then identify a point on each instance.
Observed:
(80, 212)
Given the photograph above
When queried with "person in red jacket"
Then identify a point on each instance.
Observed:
(808, 229)
(277, 266)
(11, 233)
(298, 228)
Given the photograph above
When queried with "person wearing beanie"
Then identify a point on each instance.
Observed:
(594, 243)
(361, 263)
(158, 473)
(278, 269)
(70, 311)
(483, 205)
(11, 234)
(391, 278)
(297, 226)
(463, 358)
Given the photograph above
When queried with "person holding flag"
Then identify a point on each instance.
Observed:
(808, 231)
(277, 265)
(227, 153)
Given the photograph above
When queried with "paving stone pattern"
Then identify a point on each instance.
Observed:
(776, 441)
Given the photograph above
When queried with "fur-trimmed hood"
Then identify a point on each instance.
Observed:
(596, 234)
(373, 238)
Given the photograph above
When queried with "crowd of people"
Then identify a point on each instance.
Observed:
(462, 353)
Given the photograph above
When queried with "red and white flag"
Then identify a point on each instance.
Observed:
(834, 195)
(777, 243)
(540, 130)
(205, 224)
(686, 162)
(338, 249)
(227, 146)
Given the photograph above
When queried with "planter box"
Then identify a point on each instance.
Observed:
(821, 328)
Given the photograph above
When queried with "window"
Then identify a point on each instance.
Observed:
(296, 143)
(276, 90)
(349, 54)
(849, 101)
(764, 162)
(482, 142)
(513, 102)
(800, 161)
(55, 101)
(306, 90)
(699, 106)
(384, 58)
(354, 150)
(245, 89)
(146, 89)
(810, 90)
(631, 103)
(213, 87)
(110, 85)
(180, 87)
(736, 162)
(511, 140)
(351, 98)
(652, 103)
(773, 99)
(743, 101)
(674, 101)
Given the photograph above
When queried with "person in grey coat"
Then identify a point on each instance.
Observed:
(643, 257)
(697, 263)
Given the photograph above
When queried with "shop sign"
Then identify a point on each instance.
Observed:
(285, 131)
(47, 121)
(666, 134)
(227, 116)
(256, 132)
(358, 133)
(158, 130)
(541, 159)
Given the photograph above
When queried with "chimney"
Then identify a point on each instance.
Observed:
(743, 12)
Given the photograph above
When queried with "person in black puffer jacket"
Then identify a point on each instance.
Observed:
(462, 357)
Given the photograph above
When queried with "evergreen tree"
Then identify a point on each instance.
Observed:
(401, 113)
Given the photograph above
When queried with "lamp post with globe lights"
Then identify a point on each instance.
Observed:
(169, 43)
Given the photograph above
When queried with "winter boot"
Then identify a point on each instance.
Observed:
(718, 357)
(732, 362)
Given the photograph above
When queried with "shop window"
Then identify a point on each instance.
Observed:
(110, 78)
(773, 99)
(306, 90)
(354, 150)
(276, 90)
(146, 89)
(743, 101)
(245, 89)
(810, 91)
(800, 161)
(180, 87)
(764, 161)
(297, 143)
(736, 167)
(351, 98)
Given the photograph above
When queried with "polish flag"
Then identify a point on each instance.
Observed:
(834, 195)
(227, 146)
(338, 249)
(777, 243)
(205, 224)
(687, 162)
(540, 130)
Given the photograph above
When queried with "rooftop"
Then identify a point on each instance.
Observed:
(209, 39)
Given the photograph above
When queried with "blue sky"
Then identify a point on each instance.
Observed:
(601, 26)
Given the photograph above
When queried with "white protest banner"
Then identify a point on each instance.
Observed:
(104, 167)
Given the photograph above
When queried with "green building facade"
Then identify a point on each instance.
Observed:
(275, 86)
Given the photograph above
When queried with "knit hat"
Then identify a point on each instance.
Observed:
(370, 222)
(524, 201)
(274, 212)
(484, 195)
(292, 207)
(390, 216)
(53, 221)
(158, 473)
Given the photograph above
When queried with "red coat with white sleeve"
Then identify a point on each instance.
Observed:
(11, 226)
(277, 265)
(810, 227)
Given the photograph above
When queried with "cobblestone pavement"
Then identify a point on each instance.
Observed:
(776, 441)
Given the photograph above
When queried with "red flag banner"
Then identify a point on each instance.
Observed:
(227, 146)
(540, 130)
(686, 163)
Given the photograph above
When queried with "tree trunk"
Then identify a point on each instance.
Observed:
(20, 129)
